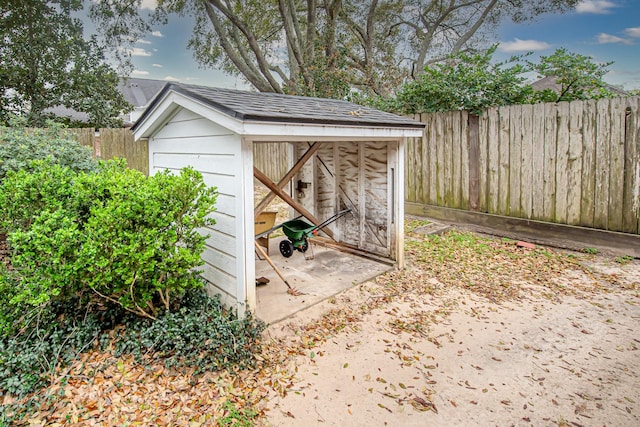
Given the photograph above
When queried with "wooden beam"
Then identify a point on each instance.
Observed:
(294, 170)
(545, 233)
(284, 196)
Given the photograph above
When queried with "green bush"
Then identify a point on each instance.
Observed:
(20, 146)
(114, 235)
(141, 244)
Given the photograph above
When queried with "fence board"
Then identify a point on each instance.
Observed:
(464, 161)
(493, 160)
(616, 169)
(550, 142)
(515, 159)
(433, 158)
(537, 165)
(483, 161)
(588, 164)
(526, 163)
(503, 171)
(440, 172)
(574, 165)
(426, 168)
(631, 196)
(447, 138)
(457, 140)
(601, 195)
(562, 162)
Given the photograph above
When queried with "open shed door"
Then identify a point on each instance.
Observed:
(357, 176)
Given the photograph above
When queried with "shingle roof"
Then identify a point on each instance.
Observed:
(139, 92)
(273, 107)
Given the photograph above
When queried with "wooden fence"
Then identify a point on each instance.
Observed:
(271, 158)
(115, 142)
(572, 163)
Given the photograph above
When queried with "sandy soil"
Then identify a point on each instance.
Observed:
(449, 357)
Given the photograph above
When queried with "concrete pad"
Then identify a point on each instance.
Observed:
(328, 273)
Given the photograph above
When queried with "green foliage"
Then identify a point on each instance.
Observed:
(202, 334)
(475, 82)
(141, 244)
(19, 147)
(237, 417)
(577, 75)
(52, 336)
(623, 260)
(464, 82)
(128, 239)
(45, 62)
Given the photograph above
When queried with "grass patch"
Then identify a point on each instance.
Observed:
(494, 268)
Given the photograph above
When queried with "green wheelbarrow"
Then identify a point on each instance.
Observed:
(298, 232)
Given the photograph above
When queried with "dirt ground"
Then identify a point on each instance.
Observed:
(425, 353)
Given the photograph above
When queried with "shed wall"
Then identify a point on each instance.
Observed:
(192, 140)
(359, 176)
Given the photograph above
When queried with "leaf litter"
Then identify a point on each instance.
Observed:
(101, 389)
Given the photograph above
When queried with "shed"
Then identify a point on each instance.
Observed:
(343, 155)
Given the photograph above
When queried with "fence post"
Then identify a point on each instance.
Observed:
(474, 162)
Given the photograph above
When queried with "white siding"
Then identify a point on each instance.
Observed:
(191, 140)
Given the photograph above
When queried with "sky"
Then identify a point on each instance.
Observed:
(606, 30)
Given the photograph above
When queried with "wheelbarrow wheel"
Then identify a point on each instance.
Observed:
(286, 248)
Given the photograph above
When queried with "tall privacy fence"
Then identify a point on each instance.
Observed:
(574, 163)
(108, 143)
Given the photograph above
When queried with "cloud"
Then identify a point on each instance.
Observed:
(157, 65)
(171, 79)
(604, 38)
(633, 32)
(598, 7)
(139, 73)
(143, 41)
(523, 45)
(157, 34)
(138, 51)
(149, 4)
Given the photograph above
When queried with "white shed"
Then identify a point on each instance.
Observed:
(342, 154)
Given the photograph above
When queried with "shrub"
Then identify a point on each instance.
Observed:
(126, 238)
(202, 334)
(141, 244)
(19, 147)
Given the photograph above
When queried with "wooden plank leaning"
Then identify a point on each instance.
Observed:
(284, 196)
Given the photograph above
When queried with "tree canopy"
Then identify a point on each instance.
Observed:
(576, 76)
(45, 62)
(475, 82)
(326, 47)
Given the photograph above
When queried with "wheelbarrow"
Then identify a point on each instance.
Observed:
(298, 232)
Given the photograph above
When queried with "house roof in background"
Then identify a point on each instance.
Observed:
(273, 107)
(551, 83)
(139, 92)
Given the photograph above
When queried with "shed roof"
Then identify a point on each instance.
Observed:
(272, 107)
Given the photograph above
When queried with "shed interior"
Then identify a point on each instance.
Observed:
(327, 178)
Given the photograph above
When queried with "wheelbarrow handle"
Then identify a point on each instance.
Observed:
(331, 219)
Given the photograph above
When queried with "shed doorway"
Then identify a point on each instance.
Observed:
(337, 176)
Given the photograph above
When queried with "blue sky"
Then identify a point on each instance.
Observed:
(606, 30)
